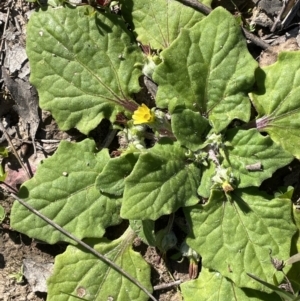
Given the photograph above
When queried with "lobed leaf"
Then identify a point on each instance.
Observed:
(277, 101)
(206, 183)
(249, 147)
(189, 128)
(63, 190)
(155, 22)
(235, 237)
(81, 274)
(204, 70)
(111, 179)
(161, 181)
(82, 65)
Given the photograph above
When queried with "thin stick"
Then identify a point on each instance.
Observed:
(108, 139)
(40, 140)
(167, 285)
(207, 10)
(33, 144)
(47, 140)
(197, 6)
(10, 189)
(3, 130)
(278, 18)
(86, 246)
(257, 41)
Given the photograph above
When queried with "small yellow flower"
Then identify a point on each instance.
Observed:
(143, 115)
(227, 187)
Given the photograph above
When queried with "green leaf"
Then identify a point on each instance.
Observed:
(155, 22)
(206, 180)
(285, 192)
(296, 215)
(212, 286)
(249, 147)
(204, 70)
(165, 240)
(144, 230)
(82, 65)
(111, 179)
(280, 292)
(2, 174)
(81, 274)
(277, 101)
(189, 128)
(236, 237)
(294, 272)
(2, 214)
(3, 152)
(63, 190)
(162, 181)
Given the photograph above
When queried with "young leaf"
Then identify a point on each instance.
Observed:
(82, 65)
(144, 230)
(161, 181)
(277, 101)
(63, 190)
(204, 70)
(285, 192)
(212, 286)
(205, 186)
(81, 274)
(111, 179)
(248, 147)
(240, 234)
(188, 127)
(155, 22)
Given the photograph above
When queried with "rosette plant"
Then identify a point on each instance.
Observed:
(217, 128)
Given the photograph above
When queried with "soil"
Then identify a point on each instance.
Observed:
(45, 136)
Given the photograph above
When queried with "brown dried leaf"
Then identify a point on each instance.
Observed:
(26, 99)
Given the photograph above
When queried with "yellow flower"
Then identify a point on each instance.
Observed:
(143, 115)
(227, 187)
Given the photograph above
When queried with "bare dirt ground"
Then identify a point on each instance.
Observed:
(34, 135)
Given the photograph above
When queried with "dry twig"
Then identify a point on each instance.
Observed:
(166, 285)
(86, 246)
